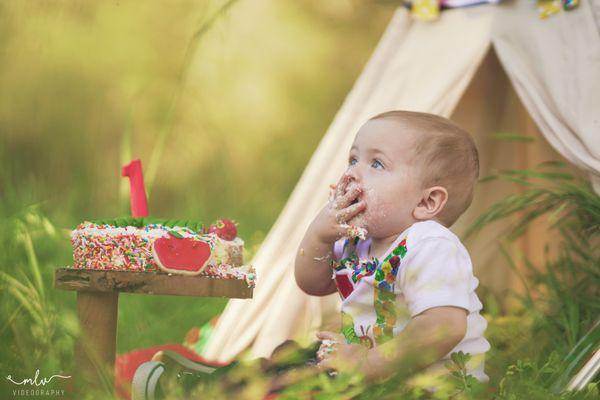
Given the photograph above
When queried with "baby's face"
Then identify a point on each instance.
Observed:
(381, 163)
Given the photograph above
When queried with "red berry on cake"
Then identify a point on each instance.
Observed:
(224, 228)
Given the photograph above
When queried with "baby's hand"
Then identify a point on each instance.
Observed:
(336, 354)
(331, 223)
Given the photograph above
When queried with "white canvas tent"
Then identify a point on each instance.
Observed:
(491, 69)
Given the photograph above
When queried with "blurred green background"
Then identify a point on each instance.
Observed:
(223, 101)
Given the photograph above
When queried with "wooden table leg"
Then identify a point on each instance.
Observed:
(96, 347)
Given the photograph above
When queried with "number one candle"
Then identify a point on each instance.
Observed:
(139, 204)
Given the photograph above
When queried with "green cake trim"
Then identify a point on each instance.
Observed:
(140, 222)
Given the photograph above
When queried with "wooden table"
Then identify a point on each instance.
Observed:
(97, 309)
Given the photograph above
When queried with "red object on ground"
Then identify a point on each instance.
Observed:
(139, 202)
(185, 256)
(126, 364)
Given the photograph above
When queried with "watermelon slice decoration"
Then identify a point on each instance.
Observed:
(178, 255)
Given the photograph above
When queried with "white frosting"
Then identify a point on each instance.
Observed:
(152, 233)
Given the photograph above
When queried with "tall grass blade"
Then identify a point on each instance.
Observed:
(188, 59)
(33, 262)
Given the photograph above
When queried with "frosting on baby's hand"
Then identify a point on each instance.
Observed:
(353, 231)
(332, 190)
(327, 347)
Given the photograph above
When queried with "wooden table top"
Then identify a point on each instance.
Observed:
(156, 283)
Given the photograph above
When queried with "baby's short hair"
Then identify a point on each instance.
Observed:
(449, 156)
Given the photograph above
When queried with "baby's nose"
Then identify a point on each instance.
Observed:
(354, 175)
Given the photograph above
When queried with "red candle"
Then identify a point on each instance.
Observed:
(139, 203)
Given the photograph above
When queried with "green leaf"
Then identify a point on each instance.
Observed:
(175, 234)
(460, 359)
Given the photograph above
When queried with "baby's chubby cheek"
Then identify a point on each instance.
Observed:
(378, 211)
(382, 215)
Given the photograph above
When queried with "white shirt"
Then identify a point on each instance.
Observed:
(427, 266)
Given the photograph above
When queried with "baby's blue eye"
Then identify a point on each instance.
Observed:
(352, 161)
(376, 164)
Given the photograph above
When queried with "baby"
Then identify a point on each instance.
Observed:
(408, 290)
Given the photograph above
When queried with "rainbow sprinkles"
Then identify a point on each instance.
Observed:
(147, 244)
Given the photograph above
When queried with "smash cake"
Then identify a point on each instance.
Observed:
(142, 243)
(147, 244)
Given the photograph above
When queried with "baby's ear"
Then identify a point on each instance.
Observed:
(432, 203)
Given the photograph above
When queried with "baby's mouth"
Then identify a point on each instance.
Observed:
(359, 219)
(358, 194)
(360, 199)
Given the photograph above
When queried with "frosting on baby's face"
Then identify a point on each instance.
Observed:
(381, 162)
(360, 219)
